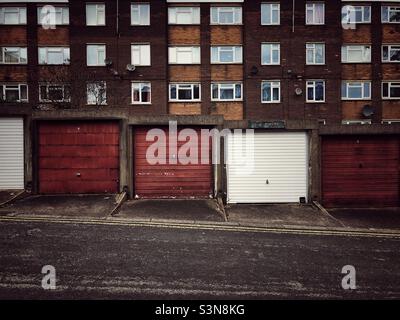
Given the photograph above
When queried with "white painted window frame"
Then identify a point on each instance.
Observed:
(313, 46)
(59, 9)
(271, 50)
(99, 48)
(390, 8)
(356, 47)
(312, 84)
(65, 51)
(173, 54)
(272, 7)
(90, 103)
(314, 4)
(138, 7)
(237, 58)
(21, 11)
(352, 83)
(47, 85)
(232, 10)
(180, 86)
(21, 51)
(226, 84)
(193, 11)
(100, 7)
(11, 86)
(389, 48)
(144, 50)
(275, 84)
(390, 84)
(139, 86)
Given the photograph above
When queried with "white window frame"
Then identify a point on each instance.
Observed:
(173, 54)
(389, 8)
(144, 51)
(22, 53)
(175, 11)
(314, 4)
(11, 86)
(356, 84)
(275, 84)
(271, 50)
(228, 85)
(237, 56)
(312, 84)
(233, 10)
(139, 86)
(99, 47)
(138, 7)
(65, 51)
(356, 47)
(349, 15)
(90, 103)
(313, 46)
(390, 85)
(272, 7)
(52, 19)
(180, 86)
(47, 85)
(20, 11)
(99, 8)
(389, 48)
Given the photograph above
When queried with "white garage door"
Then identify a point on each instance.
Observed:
(276, 174)
(11, 153)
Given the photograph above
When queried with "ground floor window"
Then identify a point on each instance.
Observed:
(270, 92)
(141, 93)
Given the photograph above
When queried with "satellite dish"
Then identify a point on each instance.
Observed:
(298, 91)
(254, 70)
(130, 67)
(368, 111)
(108, 62)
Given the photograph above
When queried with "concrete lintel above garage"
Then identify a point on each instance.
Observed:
(360, 129)
(182, 120)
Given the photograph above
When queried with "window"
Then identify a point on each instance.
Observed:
(140, 14)
(13, 55)
(53, 55)
(184, 55)
(96, 93)
(226, 15)
(12, 15)
(270, 14)
(356, 90)
(59, 16)
(271, 92)
(226, 54)
(184, 92)
(184, 15)
(356, 53)
(95, 14)
(315, 13)
(316, 91)
(54, 93)
(13, 92)
(226, 91)
(141, 93)
(95, 54)
(315, 53)
(391, 53)
(140, 55)
(356, 14)
(270, 53)
(390, 14)
(391, 90)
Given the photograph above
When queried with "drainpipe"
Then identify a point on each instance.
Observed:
(293, 12)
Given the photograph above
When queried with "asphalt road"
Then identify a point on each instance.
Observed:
(125, 262)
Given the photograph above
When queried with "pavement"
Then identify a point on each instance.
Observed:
(7, 195)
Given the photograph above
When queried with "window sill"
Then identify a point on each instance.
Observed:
(356, 99)
(389, 99)
(13, 64)
(184, 101)
(272, 102)
(141, 104)
(315, 102)
(227, 100)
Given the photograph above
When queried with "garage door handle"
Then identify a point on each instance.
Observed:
(78, 174)
(267, 181)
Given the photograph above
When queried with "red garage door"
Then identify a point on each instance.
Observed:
(360, 171)
(78, 157)
(169, 180)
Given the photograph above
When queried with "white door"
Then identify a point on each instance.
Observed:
(276, 172)
(11, 153)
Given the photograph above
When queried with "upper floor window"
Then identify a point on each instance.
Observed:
(226, 91)
(13, 55)
(184, 15)
(270, 53)
(356, 14)
(315, 13)
(315, 53)
(54, 93)
(13, 92)
(95, 54)
(226, 15)
(182, 92)
(184, 55)
(391, 14)
(53, 55)
(140, 14)
(270, 14)
(141, 92)
(391, 90)
(356, 53)
(96, 93)
(391, 53)
(141, 54)
(13, 15)
(356, 90)
(49, 16)
(271, 92)
(95, 14)
(226, 54)
(315, 91)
